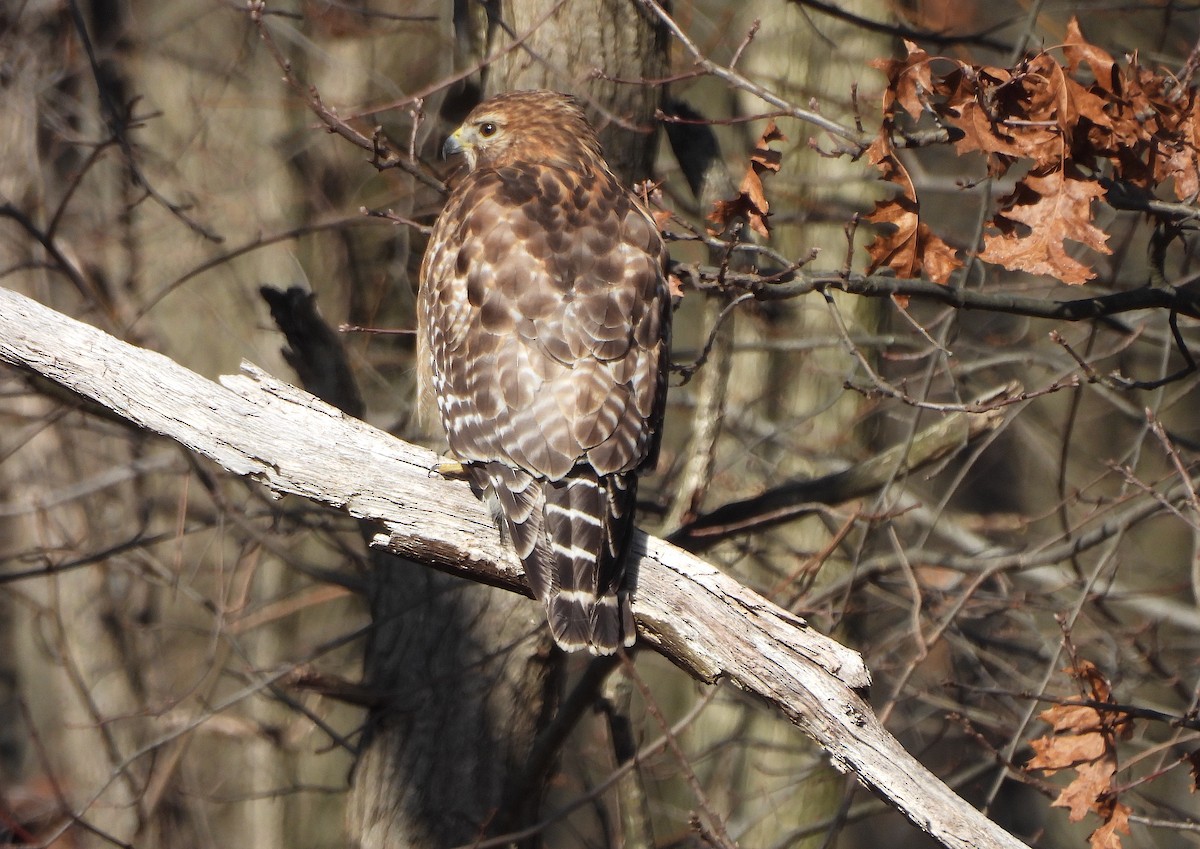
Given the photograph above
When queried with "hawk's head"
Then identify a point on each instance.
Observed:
(526, 126)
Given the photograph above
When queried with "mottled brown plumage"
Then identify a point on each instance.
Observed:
(544, 318)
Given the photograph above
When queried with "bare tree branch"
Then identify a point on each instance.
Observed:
(793, 499)
(792, 283)
(703, 621)
(981, 38)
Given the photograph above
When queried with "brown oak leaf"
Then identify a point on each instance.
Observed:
(1088, 673)
(910, 81)
(910, 248)
(1053, 753)
(1074, 718)
(1088, 790)
(1047, 208)
(1106, 837)
(1079, 52)
(1177, 156)
(1073, 102)
(751, 201)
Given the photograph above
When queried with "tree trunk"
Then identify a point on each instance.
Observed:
(73, 668)
(778, 783)
(467, 673)
(572, 40)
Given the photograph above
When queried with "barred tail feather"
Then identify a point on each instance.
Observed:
(588, 526)
(572, 536)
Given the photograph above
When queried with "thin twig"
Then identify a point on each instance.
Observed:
(714, 821)
(738, 81)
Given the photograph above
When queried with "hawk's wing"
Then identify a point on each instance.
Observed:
(544, 299)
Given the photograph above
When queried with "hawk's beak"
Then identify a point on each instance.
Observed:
(453, 145)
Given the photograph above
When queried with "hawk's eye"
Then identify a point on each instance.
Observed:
(487, 129)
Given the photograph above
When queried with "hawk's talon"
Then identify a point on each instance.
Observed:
(452, 469)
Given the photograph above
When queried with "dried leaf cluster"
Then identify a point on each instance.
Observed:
(1071, 124)
(1084, 739)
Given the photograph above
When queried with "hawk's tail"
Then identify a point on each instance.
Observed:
(572, 536)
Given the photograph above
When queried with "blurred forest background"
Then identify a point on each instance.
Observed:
(186, 663)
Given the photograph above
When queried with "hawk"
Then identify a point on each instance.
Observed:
(543, 323)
